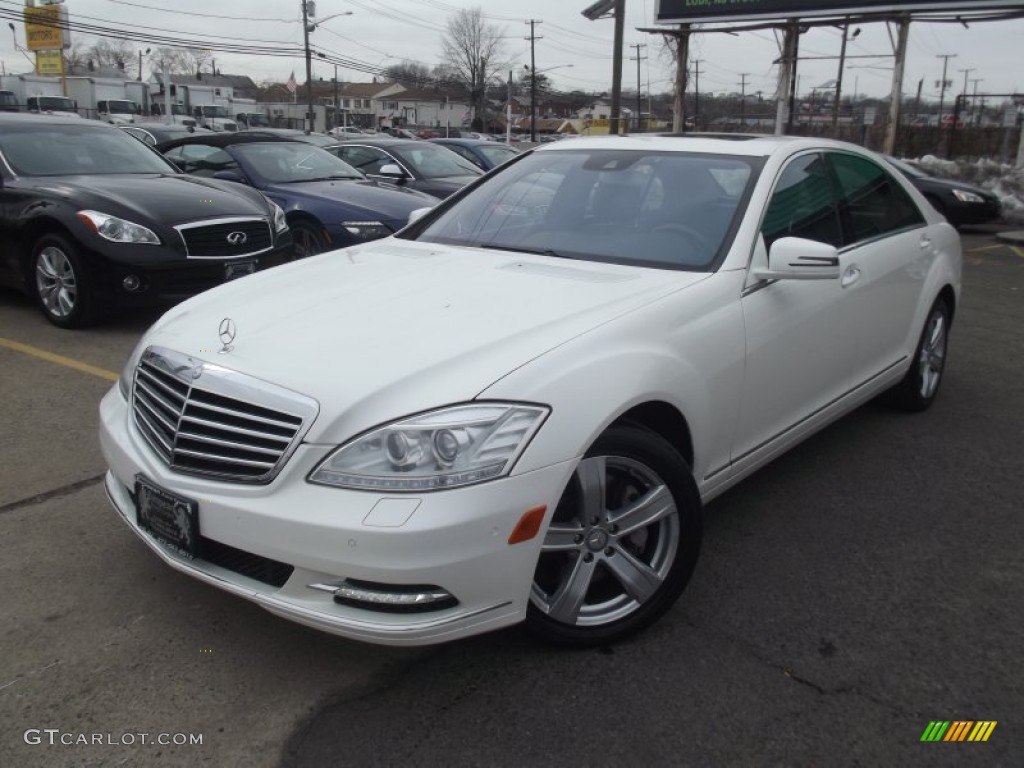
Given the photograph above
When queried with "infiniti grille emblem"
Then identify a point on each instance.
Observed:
(237, 238)
(227, 330)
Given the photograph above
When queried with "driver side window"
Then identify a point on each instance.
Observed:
(803, 204)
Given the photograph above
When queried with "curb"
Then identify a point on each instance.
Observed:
(1016, 237)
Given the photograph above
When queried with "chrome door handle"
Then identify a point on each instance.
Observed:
(926, 242)
(850, 276)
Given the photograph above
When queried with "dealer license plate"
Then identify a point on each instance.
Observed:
(172, 519)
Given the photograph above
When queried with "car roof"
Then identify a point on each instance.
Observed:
(227, 140)
(746, 145)
(371, 140)
(468, 142)
(29, 118)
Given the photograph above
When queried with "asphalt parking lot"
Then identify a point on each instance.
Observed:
(862, 586)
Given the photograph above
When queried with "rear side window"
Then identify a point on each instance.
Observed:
(803, 204)
(875, 204)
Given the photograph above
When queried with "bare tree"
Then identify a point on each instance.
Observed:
(472, 48)
(172, 60)
(112, 52)
(197, 58)
(409, 73)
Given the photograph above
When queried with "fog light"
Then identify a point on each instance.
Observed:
(131, 283)
(389, 598)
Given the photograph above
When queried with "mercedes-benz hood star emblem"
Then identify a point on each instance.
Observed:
(228, 330)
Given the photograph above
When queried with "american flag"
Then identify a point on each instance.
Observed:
(291, 85)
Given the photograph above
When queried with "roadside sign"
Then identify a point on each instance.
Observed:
(869, 115)
(50, 62)
(712, 11)
(1010, 117)
(46, 27)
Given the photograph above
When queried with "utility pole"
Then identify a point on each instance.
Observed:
(620, 23)
(696, 93)
(974, 101)
(942, 92)
(639, 108)
(966, 73)
(508, 111)
(743, 97)
(839, 78)
(787, 78)
(533, 78)
(309, 67)
(337, 105)
(896, 95)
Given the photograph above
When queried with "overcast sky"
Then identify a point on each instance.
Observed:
(382, 32)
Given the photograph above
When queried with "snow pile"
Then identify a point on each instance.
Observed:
(1004, 181)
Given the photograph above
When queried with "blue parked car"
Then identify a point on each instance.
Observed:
(480, 152)
(329, 204)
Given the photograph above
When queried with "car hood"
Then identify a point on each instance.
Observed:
(949, 185)
(369, 199)
(168, 199)
(391, 328)
(446, 184)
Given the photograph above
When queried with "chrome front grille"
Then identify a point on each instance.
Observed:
(207, 420)
(210, 239)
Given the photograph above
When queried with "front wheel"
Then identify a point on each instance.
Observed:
(622, 543)
(61, 283)
(308, 239)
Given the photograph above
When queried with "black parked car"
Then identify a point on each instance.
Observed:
(158, 133)
(480, 152)
(960, 203)
(329, 203)
(413, 163)
(90, 219)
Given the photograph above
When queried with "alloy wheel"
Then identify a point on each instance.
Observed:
(933, 354)
(610, 546)
(56, 282)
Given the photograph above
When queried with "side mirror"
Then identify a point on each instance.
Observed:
(235, 176)
(391, 170)
(794, 258)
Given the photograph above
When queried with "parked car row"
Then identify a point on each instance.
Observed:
(94, 219)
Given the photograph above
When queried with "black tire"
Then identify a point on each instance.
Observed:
(596, 553)
(308, 239)
(60, 282)
(918, 389)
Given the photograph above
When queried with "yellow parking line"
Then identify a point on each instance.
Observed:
(67, 362)
(1018, 250)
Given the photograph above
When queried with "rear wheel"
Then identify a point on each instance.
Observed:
(919, 388)
(308, 239)
(61, 283)
(622, 544)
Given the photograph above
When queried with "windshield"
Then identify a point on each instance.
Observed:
(121, 107)
(52, 104)
(68, 150)
(281, 163)
(215, 111)
(431, 161)
(658, 209)
(497, 153)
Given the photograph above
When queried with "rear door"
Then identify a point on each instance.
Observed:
(886, 259)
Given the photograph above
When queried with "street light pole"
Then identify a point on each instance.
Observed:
(308, 122)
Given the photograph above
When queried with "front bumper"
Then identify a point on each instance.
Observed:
(455, 539)
(173, 279)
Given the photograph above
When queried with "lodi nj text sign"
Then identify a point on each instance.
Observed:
(46, 27)
(693, 11)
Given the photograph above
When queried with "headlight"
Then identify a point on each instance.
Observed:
(118, 230)
(124, 384)
(967, 197)
(448, 448)
(366, 230)
(280, 221)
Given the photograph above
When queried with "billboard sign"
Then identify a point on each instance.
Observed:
(703, 11)
(46, 27)
(50, 62)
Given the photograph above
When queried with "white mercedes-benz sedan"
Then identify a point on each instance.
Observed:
(514, 408)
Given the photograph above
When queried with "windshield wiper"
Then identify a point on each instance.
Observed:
(524, 249)
(322, 178)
